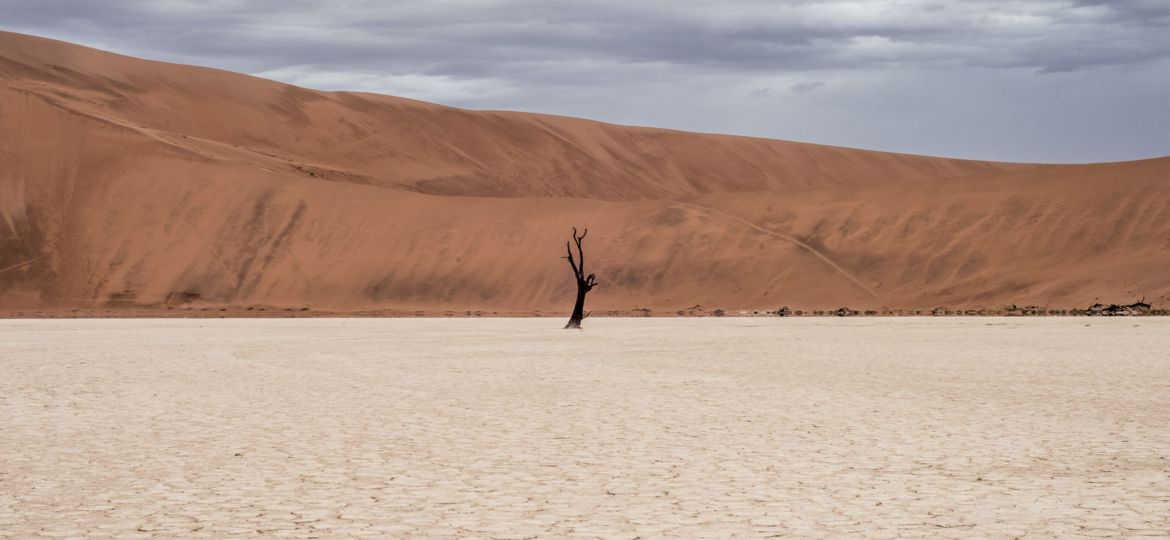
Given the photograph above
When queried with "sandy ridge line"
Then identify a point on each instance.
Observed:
(204, 147)
(810, 249)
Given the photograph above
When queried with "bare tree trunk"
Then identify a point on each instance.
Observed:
(584, 283)
(578, 309)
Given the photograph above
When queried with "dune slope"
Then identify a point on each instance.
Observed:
(127, 183)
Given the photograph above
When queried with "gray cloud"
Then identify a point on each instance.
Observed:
(1031, 80)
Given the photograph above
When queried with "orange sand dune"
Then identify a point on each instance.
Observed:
(136, 184)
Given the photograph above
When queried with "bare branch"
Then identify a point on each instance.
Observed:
(576, 270)
(580, 261)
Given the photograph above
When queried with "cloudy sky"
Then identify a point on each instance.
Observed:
(1022, 80)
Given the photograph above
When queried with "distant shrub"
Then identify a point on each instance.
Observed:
(719, 312)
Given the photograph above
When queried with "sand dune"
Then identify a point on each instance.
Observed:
(128, 183)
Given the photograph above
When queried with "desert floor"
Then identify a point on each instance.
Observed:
(513, 428)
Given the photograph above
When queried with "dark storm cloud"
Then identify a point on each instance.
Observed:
(816, 68)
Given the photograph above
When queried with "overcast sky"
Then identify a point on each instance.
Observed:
(1021, 80)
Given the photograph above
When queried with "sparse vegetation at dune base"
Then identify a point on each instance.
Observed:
(1136, 309)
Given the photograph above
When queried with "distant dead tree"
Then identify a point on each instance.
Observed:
(584, 283)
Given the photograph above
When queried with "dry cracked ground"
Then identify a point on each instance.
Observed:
(687, 428)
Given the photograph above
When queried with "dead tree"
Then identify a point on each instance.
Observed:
(584, 283)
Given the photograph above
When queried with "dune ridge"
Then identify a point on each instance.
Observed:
(134, 184)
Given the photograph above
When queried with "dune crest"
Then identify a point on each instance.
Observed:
(140, 184)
